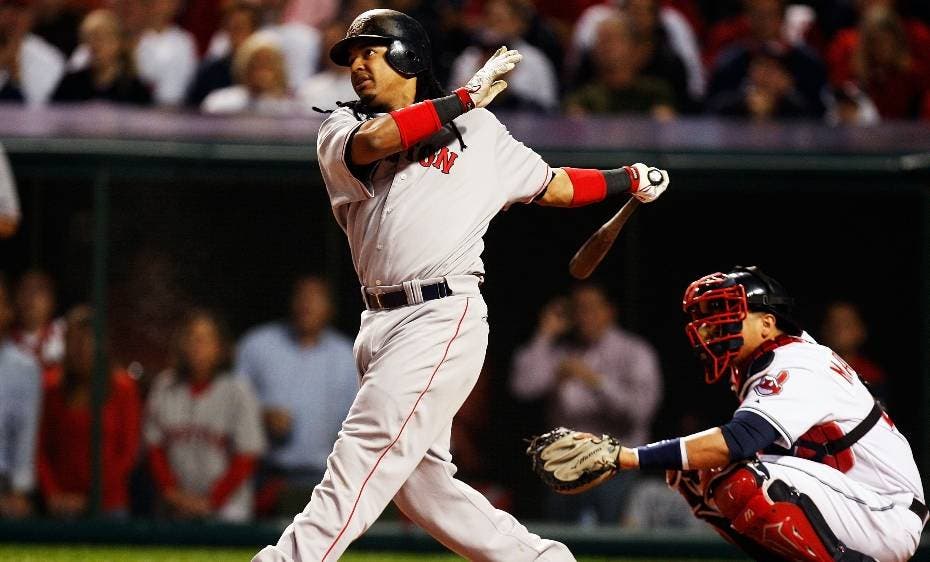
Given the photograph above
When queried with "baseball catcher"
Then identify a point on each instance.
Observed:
(810, 467)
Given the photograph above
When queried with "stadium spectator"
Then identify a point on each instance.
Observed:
(841, 51)
(595, 376)
(57, 22)
(618, 86)
(539, 33)
(767, 93)
(202, 427)
(315, 13)
(333, 83)
(65, 443)
(731, 68)
(299, 42)
(844, 331)
(133, 20)
(109, 74)
(202, 18)
(240, 20)
(30, 67)
(146, 304)
(884, 58)
(9, 199)
(662, 31)
(763, 21)
(305, 376)
(261, 81)
(532, 85)
(166, 55)
(37, 331)
(20, 401)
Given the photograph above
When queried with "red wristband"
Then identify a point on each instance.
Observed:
(634, 178)
(588, 186)
(416, 123)
(467, 103)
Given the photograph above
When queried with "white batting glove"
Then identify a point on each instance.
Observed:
(647, 183)
(484, 85)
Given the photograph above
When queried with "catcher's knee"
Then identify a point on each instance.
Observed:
(777, 516)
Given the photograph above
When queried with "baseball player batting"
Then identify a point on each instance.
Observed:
(414, 176)
(810, 467)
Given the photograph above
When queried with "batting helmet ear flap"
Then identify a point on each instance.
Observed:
(408, 44)
(404, 60)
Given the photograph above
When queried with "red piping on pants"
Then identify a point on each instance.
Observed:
(399, 433)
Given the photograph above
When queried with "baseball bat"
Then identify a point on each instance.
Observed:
(596, 247)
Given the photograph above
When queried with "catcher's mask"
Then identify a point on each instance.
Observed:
(718, 303)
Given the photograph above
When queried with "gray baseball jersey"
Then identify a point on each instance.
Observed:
(200, 433)
(418, 215)
(422, 214)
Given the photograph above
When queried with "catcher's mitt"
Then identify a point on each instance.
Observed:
(571, 462)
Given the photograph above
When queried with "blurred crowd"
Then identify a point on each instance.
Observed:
(842, 61)
(199, 425)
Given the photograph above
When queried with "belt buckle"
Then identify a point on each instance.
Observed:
(377, 296)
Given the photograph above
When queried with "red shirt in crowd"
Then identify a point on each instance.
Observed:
(64, 459)
(898, 95)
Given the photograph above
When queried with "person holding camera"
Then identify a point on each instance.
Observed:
(593, 375)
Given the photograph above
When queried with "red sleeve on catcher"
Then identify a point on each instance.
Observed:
(240, 468)
(588, 186)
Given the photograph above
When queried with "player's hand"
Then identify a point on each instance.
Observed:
(647, 183)
(574, 367)
(484, 85)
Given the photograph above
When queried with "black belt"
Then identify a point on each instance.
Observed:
(383, 300)
(919, 509)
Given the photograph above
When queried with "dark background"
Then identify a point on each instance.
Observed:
(237, 241)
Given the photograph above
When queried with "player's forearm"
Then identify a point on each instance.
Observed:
(574, 187)
(376, 139)
(698, 451)
(403, 128)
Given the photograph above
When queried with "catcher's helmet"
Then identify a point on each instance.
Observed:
(718, 303)
(408, 45)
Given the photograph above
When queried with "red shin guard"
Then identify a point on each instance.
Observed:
(780, 527)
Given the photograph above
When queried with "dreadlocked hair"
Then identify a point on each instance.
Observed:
(427, 88)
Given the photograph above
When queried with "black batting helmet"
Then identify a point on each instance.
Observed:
(765, 294)
(408, 45)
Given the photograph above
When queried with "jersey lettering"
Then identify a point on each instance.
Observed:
(842, 368)
(443, 160)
